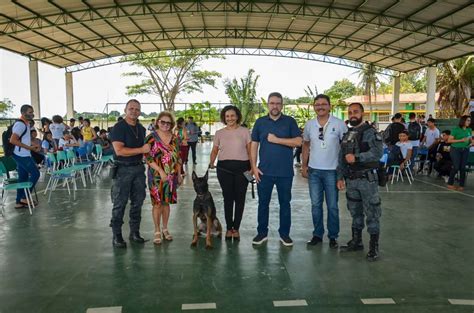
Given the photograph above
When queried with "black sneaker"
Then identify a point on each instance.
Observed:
(259, 239)
(333, 244)
(314, 241)
(286, 241)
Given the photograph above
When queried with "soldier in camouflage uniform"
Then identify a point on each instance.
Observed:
(361, 150)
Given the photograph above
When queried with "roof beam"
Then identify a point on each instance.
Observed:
(136, 25)
(431, 23)
(308, 10)
(236, 51)
(84, 25)
(259, 34)
(111, 25)
(364, 25)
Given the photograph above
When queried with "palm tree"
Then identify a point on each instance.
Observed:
(243, 95)
(454, 79)
(369, 82)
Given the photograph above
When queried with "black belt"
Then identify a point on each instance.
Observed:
(128, 164)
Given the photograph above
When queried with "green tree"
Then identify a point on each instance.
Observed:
(412, 82)
(5, 106)
(369, 81)
(114, 113)
(167, 74)
(454, 80)
(243, 94)
(340, 90)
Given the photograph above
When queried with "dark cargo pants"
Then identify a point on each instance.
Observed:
(129, 183)
(363, 199)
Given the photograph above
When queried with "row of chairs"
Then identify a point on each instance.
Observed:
(67, 166)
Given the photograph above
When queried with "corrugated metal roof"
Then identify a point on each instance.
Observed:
(401, 35)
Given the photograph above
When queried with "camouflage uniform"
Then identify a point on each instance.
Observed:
(361, 181)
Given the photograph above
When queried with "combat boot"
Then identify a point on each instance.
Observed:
(118, 241)
(355, 244)
(373, 253)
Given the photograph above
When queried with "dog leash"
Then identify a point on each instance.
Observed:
(233, 173)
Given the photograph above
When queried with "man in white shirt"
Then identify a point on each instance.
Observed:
(430, 141)
(321, 144)
(26, 166)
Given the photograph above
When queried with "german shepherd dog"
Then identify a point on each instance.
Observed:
(205, 209)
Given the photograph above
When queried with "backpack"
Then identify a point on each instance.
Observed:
(395, 156)
(390, 134)
(8, 147)
(414, 131)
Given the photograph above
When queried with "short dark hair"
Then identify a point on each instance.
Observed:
(359, 104)
(275, 94)
(88, 121)
(233, 108)
(102, 131)
(432, 120)
(66, 132)
(57, 119)
(80, 118)
(190, 117)
(322, 96)
(24, 108)
(397, 116)
(411, 115)
(132, 100)
(72, 119)
(446, 131)
(462, 120)
(404, 132)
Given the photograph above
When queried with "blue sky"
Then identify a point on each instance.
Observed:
(94, 88)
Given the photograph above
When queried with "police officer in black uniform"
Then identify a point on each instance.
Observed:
(361, 150)
(128, 173)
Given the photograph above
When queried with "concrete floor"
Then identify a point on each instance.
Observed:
(61, 258)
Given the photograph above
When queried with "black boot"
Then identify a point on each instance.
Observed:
(373, 248)
(135, 237)
(118, 241)
(355, 244)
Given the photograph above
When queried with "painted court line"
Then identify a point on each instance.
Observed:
(378, 301)
(461, 302)
(286, 303)
(453, 191)
(112, 309)
(198, 306)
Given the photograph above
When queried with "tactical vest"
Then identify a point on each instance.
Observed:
(352, 143)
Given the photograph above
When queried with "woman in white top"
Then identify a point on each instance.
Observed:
(57, 128)
(232, 144)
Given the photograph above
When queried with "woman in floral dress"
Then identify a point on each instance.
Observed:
(164, 168)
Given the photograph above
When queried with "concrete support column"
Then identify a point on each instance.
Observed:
(395, 94)
(34, 87)
(69, 96)
(430, 91)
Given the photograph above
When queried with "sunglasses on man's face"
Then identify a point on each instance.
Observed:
(165, 123)
(321, 133)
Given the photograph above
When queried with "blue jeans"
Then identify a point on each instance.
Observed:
(414, 152)
(27, 171)
(323, 184)
(264, 189)
(459, 157)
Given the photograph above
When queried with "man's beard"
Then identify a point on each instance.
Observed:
(273, 114)
(355, 122)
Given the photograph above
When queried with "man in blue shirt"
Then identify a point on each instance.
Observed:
(276, 135)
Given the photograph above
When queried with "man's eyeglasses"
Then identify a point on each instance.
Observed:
(165, 123)
(321, 133)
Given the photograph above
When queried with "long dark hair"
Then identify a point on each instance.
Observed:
(462, 121)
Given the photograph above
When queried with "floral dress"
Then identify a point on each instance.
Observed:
(168, 158)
